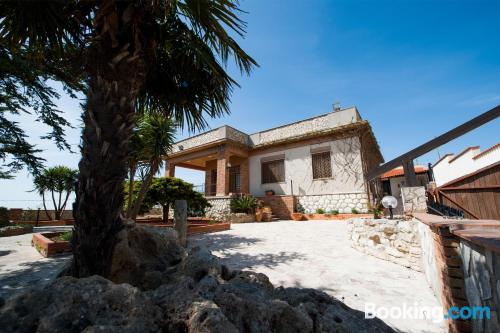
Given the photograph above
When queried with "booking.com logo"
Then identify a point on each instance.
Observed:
(434, 313)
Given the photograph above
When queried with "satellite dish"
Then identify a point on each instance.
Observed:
(389, 202)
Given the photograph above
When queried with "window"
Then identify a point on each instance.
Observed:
(321, 165)
(273, 171)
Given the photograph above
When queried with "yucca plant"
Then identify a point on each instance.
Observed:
(244, 204)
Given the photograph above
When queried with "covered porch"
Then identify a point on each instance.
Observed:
(225, 166)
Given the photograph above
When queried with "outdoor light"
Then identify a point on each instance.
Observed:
(228, 164)
(389, 202)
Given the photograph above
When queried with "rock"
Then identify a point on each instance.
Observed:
(73, 305)
(177, 292)
(141, 251)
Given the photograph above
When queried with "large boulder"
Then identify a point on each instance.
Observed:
(74, 305)
(143, 254)
(176, 292)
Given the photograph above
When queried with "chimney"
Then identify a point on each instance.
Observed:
(336, 106)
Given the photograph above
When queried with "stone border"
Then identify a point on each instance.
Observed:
(333, 217)
(16, 231)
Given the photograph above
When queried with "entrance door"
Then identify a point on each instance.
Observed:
(213, 182)
(234, 179)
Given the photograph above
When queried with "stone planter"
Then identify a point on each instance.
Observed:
(241, 218)
(297, 216)
(20, 230)
(48, 247)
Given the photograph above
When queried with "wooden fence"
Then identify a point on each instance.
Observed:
(476, 194)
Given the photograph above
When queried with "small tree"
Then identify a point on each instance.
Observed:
(153, 140)
(59, 181)
(164, 191)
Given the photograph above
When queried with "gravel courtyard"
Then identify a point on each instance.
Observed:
(317, 254)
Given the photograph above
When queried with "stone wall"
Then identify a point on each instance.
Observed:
(344, 203)
(221, 208)
(429, 263)
(414, 199)
(393, 240)
(482, 283)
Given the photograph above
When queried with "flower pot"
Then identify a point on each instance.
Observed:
(258, 216)
(297, 216)
(269, 193)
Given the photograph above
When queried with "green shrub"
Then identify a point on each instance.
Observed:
(64, 236)
(333, 212)
(245, 204)
(355, 211)
(4, 216)
(320, 211)
(299, 209)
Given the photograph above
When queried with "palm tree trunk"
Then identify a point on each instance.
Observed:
(116, 74)
(45, 207)
(54, 203)
(153, 169)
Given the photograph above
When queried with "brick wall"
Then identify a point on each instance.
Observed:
(450, 272)
(282, 206)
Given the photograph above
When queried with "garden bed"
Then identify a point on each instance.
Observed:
(50, 244)
(194, 228)
(309, 217)
(49, 223)
(15, 230)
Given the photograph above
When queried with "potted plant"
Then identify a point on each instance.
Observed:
(269, 193)
(378, 211)
(298, 214)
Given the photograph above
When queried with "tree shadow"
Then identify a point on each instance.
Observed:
(221, 242)
(32, 274)
(228, 245)
(4, 253)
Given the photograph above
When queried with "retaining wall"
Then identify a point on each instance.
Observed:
(392, 240)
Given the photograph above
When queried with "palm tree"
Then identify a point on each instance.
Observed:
(59, 181)
(155, 137)
(169, 55)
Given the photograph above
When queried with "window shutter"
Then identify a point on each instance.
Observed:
(273, 171)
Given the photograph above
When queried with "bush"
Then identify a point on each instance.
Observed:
(320, 211)
(245, 204)
(333, 212)
(299, 208)
(355, 211)
(4, 216)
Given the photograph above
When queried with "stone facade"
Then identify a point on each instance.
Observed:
(414, 199)
(221, 208)
(344, 202)
(482, 283)
(393, 240)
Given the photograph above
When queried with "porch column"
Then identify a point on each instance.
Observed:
(244, 177)
(410, 177)
(222, 188)
(169, 169)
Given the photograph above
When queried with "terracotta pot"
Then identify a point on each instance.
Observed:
(269, 193)
(297, 216)
(258, 216)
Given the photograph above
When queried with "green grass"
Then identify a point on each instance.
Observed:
(63, 237)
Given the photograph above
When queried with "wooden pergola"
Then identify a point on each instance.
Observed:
(406, 159)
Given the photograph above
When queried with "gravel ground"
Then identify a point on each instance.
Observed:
(317, 254)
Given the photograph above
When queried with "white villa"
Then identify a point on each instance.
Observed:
(319, 162)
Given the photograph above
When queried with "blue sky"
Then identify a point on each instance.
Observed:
(414, 69)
